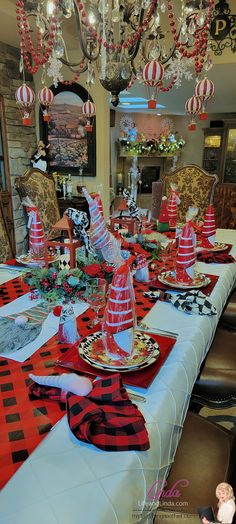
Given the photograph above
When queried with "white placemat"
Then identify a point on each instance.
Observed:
(49, 326)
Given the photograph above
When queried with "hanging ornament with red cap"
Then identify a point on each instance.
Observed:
(153, 73)
(89, 110)
(46, 98)
(193, 107)
(204, 90)
(25, 98)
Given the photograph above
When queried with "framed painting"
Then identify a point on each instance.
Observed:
(71, 147)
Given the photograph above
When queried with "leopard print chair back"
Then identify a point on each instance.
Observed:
(40, 188)
(195, 187)
(6, 251)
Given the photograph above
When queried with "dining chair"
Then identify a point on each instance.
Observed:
(195, 187)
(6, 250)
(215, 386)
(225, 203)
(205, 457)
(40, 188)
(228, 317)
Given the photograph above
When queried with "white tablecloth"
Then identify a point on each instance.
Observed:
(65, 481)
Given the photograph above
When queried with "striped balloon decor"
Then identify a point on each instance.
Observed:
(153, 73)
(193, 105)
(45, 96)
(205, 89)
(25, 96)
(88, 109)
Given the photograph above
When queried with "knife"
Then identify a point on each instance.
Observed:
(157, 331)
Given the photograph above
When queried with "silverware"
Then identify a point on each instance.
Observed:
(135, 396)
(157, 331)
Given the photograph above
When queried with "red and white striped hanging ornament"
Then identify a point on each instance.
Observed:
(193, 106)
(46, 98)
(153, 73)
(204, 90)
(89, 110)
(25, 98)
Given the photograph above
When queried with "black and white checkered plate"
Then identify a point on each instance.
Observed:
(146, 352)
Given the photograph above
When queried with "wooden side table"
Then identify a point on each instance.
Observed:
(78, 202)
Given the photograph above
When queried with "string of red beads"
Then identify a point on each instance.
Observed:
(200, 40)
(171, 84)
(76, 77)
(25, 38)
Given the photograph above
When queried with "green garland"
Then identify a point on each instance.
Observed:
(162, 146)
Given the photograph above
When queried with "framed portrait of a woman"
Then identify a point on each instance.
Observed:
(71, 147)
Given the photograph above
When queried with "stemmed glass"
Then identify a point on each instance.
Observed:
(96, 297)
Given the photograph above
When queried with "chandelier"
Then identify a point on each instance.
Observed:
(159, 43)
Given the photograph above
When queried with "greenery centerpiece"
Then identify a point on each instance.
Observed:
(65, 285)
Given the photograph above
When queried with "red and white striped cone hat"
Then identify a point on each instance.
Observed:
(100, 234)
(119, 317)
(164, 216)
(97, 198)
(172, 210)
(185, 259)
(36, 233)
(209, 228)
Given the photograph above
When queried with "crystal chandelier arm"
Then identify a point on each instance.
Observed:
(135, 50)
(173, 49)
(90, 57)
(74, 64)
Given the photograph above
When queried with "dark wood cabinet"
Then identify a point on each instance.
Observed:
(219, 157)
(213, 148)
(219, 154)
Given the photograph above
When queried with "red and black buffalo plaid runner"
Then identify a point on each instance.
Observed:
(105, 418)
(25, 421)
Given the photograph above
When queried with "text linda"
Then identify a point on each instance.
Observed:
(158, 489)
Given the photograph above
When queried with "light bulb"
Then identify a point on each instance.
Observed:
(91, 18)
(50, 7)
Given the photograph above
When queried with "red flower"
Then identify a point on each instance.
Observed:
(57, 311)
(107, 268)
(93, 270)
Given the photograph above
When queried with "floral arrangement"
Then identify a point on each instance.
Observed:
(162, 145)
(65, 285)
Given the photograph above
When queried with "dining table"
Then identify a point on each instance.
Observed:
(63, 480)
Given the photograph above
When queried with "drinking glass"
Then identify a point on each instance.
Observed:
(96, 298)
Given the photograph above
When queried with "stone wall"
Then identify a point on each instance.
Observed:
(21, 139)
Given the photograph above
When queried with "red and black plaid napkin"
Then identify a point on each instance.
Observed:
(106, 417)
(217, 258)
